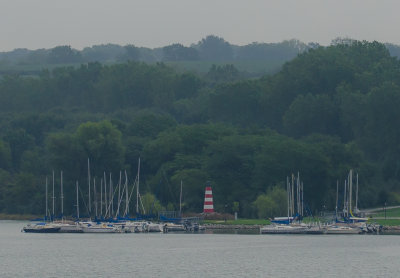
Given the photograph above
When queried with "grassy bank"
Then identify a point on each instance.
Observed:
(386, 222)
(389, 213)
(4, 216)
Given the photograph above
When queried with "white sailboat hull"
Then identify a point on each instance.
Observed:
(68, 228)
(99, 228)
(342, 230)
(282, 229)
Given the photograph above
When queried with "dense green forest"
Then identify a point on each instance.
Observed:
(328, 110)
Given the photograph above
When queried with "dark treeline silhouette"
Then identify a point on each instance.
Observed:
(211, 48)
(328, 110)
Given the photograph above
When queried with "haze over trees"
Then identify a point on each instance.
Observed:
(327, 110)
(253, 60)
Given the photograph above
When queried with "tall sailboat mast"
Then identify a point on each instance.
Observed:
(180, 201)
(356, 209)
(344, 198)
(101, 197)
(137, 189)
(126, 196)
(77, 201)
(337, 197)
(53, 196)
(288, 197)
(95, 195)
(105, 195)
(302, 199)
(62, 197)
(111, 194)
(350, 189)
(46, 217)
(90, 207)
(292, 195)
(119, 191)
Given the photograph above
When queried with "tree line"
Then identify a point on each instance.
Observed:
(210, 48)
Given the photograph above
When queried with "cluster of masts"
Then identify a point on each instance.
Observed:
(348, 196)
(295, 198)
(351, 223)
(107, 202)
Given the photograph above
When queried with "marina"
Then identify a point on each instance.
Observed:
(349, 221)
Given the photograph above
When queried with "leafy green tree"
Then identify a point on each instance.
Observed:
(5, 155)
(19, 141)
(102, 53)
(178, 52)
(149, 124)
(283, 51)
(66, 153)
(236, 104)
(63, 54)
(272, 204)
(32, 161)
(225, 73)
(151, 204)
(311, 114)
(102, 144)
(132, 53)
(187, 86)
(5, 180)
(24, 195)
(213, 48)
(193, 181)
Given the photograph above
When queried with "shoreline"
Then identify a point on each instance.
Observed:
(26, 217)
(395, 229)
(231, 226)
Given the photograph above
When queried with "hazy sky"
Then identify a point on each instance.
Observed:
(37, 24)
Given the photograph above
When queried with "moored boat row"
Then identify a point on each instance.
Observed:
(109, 227)
(309, 229)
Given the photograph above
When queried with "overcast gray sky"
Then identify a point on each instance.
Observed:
(37, 24)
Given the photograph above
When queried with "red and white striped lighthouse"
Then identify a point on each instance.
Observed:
(208, 201)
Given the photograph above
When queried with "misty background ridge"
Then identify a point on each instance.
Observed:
(253, 60)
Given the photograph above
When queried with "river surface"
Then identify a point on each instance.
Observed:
(195, 255)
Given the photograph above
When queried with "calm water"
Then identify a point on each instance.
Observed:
(195, 255)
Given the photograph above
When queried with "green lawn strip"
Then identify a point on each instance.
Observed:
(4, 216)
(389, 213)
(386, 222)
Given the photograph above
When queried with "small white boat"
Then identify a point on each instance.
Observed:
(154, 227)
(344, 230)
(134, 226)
(172, 227)
(41, 228)
(315, 229)
(283, 229)
(99, 228)
(68, 227)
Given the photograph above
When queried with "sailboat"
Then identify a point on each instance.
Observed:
(42, 227)
(288, 225)
(66, 226)
(93, 227)
(342, 229)
(350, 224)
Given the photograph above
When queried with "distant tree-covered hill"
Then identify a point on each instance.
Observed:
(328, 110)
